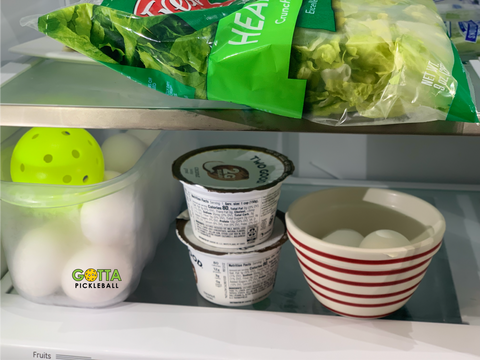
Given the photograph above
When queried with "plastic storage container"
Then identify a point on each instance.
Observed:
(50, 259)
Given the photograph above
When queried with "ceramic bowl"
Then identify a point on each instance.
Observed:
(358, 282)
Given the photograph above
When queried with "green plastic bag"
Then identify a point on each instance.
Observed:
(348, 62)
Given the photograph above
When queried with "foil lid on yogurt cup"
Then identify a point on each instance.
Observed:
(232, 168)
(185, 234)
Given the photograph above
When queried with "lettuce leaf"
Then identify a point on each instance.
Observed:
(62, 25)
(374, 65)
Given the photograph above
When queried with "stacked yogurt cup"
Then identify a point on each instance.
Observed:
(232, 228)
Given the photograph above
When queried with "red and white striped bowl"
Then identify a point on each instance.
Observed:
(355, 282)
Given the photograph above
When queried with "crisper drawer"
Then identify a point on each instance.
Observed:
(166, 318)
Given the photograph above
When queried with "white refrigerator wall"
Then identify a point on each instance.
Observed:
(433, 159)
(11, 32)
(439, 159)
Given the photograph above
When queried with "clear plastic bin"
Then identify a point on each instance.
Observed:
(58, 239)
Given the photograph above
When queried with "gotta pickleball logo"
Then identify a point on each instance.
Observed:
(105, 277)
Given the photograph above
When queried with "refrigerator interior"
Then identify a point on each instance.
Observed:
(165, 318)
(166, 310)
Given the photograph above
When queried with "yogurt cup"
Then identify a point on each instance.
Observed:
(233, 277)
(232, 192)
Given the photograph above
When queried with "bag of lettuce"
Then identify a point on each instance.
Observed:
(346, 62)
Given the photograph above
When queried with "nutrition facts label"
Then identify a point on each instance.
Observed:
(248, 280)
(236, 282)
(248, 222)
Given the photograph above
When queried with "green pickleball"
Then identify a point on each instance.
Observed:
(57, 156)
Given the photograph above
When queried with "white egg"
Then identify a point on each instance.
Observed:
(147, 136)
(100, 289)
(122, 151)
(384, 239)
(109, 174)
(345, 237)
(113, 219)
(39, 259)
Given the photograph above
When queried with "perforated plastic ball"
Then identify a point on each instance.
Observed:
(57, 156)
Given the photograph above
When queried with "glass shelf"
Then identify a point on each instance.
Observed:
(64, 94)
(169, 279)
